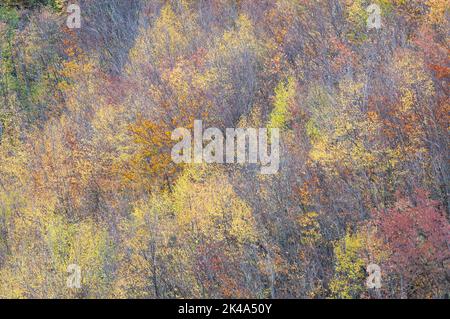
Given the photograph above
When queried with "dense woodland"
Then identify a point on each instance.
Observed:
(86, 175)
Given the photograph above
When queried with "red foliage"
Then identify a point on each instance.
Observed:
(417, 235)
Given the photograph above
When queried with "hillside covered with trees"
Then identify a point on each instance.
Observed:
(87, 179)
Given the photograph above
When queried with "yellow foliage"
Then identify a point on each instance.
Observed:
(438, 11)
(284, 97)
(349, 278)
(206, 206)
(310, 228)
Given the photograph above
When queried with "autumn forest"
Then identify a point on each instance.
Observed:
(88, 187)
